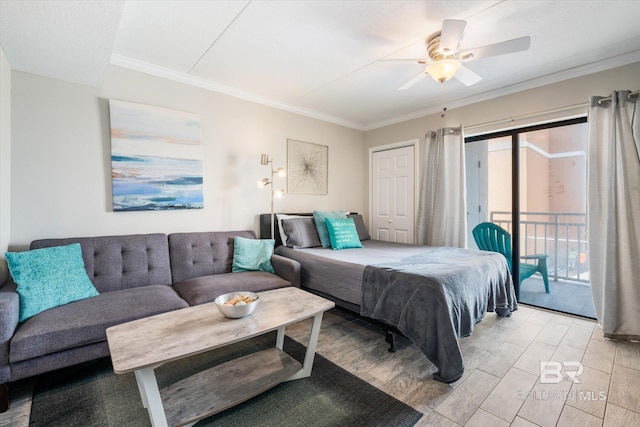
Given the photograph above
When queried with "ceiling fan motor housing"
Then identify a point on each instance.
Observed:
(433, 44)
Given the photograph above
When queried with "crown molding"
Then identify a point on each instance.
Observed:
(166, 73)
(181, 77)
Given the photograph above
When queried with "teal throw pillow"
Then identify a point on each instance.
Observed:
(49, 277)
(319, 217)
(343, 233)
(252, 254)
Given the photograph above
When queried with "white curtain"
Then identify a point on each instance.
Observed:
(442, 209)
(613, 184)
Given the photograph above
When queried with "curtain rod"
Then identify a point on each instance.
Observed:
(542, 113)
(608, 98)
(527, 116)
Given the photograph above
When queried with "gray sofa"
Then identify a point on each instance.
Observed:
(136, 276)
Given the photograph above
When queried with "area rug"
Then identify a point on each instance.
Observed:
(92, 395)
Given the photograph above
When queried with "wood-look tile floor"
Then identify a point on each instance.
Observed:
(502, 384)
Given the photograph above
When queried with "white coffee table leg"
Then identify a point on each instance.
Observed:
(150, 394)
(307, 365)
(280, 338)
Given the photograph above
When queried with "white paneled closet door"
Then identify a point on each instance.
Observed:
(393, 194)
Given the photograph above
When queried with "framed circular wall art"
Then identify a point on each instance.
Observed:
(307, 167)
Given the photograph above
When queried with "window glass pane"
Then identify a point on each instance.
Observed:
(553, 217)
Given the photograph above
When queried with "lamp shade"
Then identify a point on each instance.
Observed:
(443, 70)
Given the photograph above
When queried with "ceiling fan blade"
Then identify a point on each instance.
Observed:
(413, 81)
(502, 48)
(451, 35)
(466, 76)
(416, 60)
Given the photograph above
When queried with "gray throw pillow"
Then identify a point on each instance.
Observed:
(301, 233)
(363, 233)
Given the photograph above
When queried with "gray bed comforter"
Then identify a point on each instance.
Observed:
(436, 297)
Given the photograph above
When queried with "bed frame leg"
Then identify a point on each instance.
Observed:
(391, 340)
(4, 397)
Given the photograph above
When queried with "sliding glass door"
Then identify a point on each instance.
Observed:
(537, 193)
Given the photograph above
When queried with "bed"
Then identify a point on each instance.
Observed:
(432, 295)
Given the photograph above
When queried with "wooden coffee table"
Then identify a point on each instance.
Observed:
(145, 344)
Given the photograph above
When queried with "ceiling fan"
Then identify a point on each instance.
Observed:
(445, 60)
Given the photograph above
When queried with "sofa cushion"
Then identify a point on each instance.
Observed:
(121, 262)
(85, 322)
(202, 253)
(49, 277)
(200, 290)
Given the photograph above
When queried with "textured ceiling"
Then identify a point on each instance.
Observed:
(325, 59)
(70, 40)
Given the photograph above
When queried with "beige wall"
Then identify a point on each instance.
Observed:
(61, 181)
(567, 181)
(60, 147)
(5, 162)
(565, 185)
(534, 181)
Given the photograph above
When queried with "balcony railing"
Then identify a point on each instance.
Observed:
(561, 235)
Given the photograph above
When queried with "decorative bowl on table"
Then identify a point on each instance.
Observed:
(237, 304)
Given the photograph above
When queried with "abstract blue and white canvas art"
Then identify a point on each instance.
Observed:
(156, 158)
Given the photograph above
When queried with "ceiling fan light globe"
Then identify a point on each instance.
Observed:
(443, 70)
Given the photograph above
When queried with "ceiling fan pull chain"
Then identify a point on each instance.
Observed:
(444, 103)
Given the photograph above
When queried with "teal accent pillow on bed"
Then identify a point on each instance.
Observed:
(252, 254)
(319, 217)
(49, 277)
(343, 233)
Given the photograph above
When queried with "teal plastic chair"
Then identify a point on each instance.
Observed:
(492, 237)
